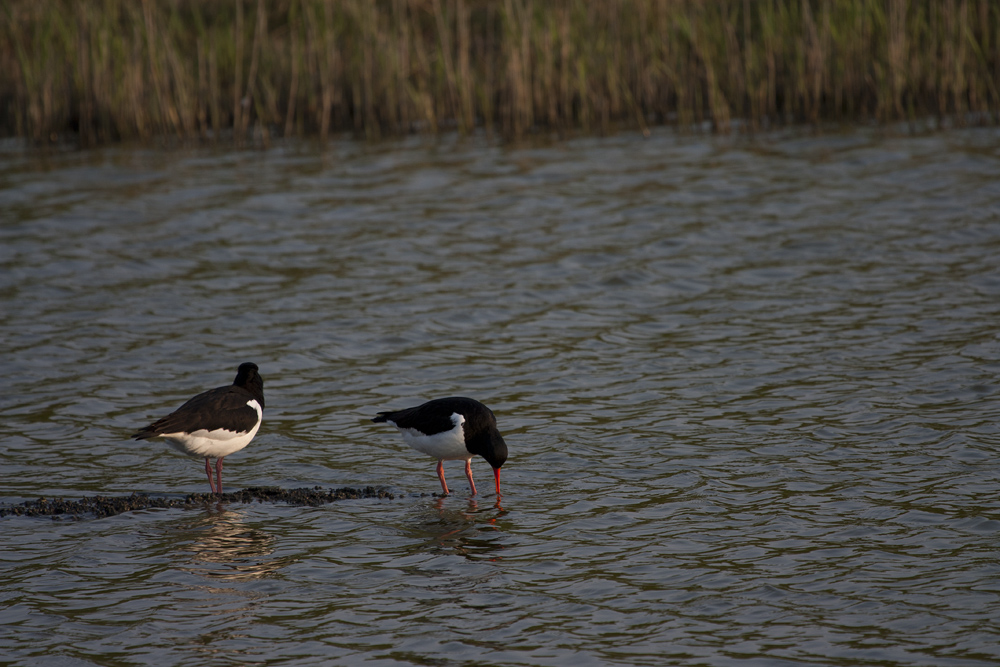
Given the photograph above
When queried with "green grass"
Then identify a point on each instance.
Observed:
(107, 70)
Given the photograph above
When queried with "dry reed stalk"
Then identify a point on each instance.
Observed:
(369, 36)
(444, 52)
(238, 76)
(564, 108)
(293, 56)
(202, 102)
(320, 51)
(519, 116)
(140, 118)
(421, 94)
(959, 81)
(488, 48)
(812, 73)
(897, 52)
(399, 95)
(213, 83)
(466, 84)
(86, 80)
(545, 80)
(249, 101)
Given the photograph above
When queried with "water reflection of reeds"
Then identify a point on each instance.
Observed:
(119, 69)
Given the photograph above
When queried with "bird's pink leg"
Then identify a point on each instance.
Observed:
(468, 473)
(208, 471)
(440, 469)
(218, 472)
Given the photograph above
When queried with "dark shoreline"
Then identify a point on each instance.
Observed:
(105, 506)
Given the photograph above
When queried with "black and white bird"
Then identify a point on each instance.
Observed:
(451, 429)
(216, 423)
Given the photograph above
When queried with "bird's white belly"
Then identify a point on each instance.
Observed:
(213, 444)
(447, 445)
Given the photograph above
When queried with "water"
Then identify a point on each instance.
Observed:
(749, 388)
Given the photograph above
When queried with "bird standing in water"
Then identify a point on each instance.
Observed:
(451, 429)
(216, 423)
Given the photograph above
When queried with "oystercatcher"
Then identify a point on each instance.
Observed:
(450, 429)
(216, 423)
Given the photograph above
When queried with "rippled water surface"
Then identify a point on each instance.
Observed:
(749, 388)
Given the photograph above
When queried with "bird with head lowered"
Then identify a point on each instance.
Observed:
(449, 429)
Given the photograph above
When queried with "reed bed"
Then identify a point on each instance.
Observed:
(107, 70)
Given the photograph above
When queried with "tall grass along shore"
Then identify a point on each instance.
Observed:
(106, 70)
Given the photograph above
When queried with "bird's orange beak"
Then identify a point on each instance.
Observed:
(496, 475)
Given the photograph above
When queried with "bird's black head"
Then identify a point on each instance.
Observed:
(248, 378)
(495, 452)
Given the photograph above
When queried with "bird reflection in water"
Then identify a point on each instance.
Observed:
(223, 547)
(470, 531)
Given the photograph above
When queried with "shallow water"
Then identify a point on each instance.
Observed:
(749, 388)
